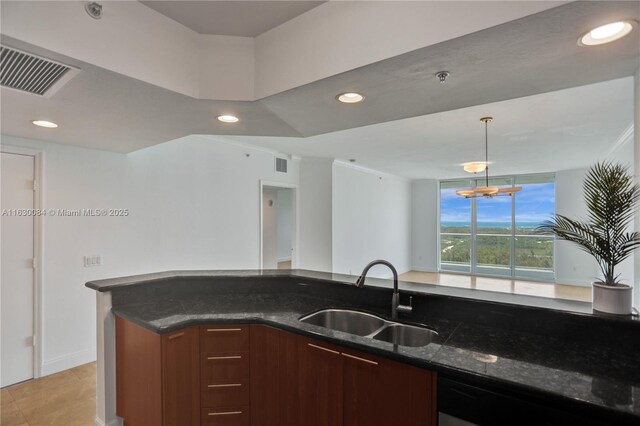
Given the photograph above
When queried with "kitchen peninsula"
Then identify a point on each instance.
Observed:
(515, 363)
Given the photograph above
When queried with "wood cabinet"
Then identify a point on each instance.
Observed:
(302, 381)
(275, 400)
(157, 377)
(225, 375)
(257, 375)
(320, 383)
(377, 391)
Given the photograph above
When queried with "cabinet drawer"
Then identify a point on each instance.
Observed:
(224, 368)
(216, 395)
(225, 417)
(221, 339)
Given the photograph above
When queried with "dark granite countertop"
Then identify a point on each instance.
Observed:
(572, 357)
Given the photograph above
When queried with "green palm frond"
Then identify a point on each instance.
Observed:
(611, 195)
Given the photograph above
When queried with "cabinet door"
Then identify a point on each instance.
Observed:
(181, 378)
(320, 384)
(382, 392)
(138, 374)
(274, 377)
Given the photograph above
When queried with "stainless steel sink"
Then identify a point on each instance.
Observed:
(367, 325)
(353, 322)
(406, 335)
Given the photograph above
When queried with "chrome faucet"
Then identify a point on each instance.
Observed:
(395, 299)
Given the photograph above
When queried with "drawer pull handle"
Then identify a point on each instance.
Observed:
(175, 336)
(225, 413)
(324, 349)
(357, 358)
(224, 357)
(223, 329)
(229, 385)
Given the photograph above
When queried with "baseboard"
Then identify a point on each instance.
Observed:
(422, 269)
(67, 361)
(99, 422)
(284, 259)
(578, 283)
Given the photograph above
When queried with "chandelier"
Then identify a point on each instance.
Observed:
(485, 191)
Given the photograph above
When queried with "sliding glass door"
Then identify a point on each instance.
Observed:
(496, 236)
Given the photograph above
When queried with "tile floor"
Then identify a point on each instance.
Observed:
(503, 285)
(67, 398)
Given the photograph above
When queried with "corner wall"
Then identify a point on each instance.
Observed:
(371, 220)
(316, 186)
(193, 204)
(424, 208)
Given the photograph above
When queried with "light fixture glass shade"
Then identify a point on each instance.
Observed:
(486, 190)
(475, 167)
(479, 166)
(465, 192)
(510, 190)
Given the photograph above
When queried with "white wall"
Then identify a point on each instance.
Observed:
(636, 164)
(269, 228)
(371, 220)
(316, 186)
(424, 228)
(572, 265)
(194, 204)
(285, 224)
(623, 153)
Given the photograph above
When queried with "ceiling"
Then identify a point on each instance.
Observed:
(553, 131)
(232, 18)
(537, 54)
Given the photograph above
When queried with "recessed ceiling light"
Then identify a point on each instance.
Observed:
(228, 118)
(44, 123)
(350, 97)
(607, 33)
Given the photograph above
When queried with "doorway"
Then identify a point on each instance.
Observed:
(278, 226)
(17, 267)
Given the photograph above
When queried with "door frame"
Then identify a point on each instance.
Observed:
(296, 228)
(38, 252)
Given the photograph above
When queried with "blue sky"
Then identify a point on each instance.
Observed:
(535, 203)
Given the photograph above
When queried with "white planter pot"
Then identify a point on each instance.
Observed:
(612, 300)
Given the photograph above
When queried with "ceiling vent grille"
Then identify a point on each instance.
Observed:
(281, 165)
(33, 74)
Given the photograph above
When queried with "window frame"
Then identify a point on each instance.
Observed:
(548, 177)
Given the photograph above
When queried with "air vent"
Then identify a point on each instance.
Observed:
(281, 165)
(33, 74)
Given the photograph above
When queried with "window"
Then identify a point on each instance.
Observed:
(496, 236)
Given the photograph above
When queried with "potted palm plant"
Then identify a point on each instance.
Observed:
(611, 195)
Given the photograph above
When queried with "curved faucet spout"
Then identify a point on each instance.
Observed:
(395, 299)
(361, 278)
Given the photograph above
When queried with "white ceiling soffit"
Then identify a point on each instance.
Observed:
(232, 18)
(536, 54)
(559, 130)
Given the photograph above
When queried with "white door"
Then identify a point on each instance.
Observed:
(16, 285)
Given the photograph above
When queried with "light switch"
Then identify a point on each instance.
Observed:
(93, 260)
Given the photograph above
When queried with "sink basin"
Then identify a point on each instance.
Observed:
(354, 322)
(406, 335)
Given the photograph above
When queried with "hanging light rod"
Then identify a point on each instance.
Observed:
(486, 191)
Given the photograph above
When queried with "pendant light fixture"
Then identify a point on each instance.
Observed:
(487, 191)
